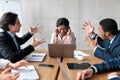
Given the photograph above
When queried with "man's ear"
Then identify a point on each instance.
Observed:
(107, 34)
(9, 26)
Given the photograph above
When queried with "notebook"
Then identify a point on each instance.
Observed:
(26, 73)
(61, 50)
(34, 56)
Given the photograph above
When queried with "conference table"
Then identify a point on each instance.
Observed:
(48, 73)
(90, 59)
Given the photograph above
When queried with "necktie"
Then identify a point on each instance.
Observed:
(109, 44)
(16, 42)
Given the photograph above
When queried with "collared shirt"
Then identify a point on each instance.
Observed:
(11, 34)
(1, 30)
(14, 39)
(112, 39)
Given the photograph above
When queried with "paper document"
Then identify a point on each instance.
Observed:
(26, 73)
(36, 56)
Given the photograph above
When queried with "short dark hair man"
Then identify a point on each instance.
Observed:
(106, 46)
(10, 42)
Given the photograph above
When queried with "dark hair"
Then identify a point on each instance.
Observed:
(109, 25)
(62, 21)
(6, 19)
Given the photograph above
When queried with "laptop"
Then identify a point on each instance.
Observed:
(61, 50)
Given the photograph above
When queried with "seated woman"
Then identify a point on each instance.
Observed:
(63, 34)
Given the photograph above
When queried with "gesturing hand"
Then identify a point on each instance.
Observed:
(35, 43)
(88, 27)
(19, 64)
(7, 75)
(35, 29)
(92, 43)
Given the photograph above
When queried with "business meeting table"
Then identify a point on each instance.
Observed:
(90, 59)
(48, 73)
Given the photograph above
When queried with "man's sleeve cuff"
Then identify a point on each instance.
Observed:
(94, 49)
(113, 76)
(93, 36)
(94, 69)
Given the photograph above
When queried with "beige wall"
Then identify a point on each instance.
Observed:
(46, 12)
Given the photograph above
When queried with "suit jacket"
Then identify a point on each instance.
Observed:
(108, 66)
(8, 49)
(105, 52)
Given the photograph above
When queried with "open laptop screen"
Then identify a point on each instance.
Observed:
(61, 50)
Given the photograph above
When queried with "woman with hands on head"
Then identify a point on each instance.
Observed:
(63, 34)
(10, 43)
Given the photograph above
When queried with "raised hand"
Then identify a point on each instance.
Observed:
(69, 31)
(88, 27)
(35, 43)
(56, 32)
(92, 43)
(35, 29)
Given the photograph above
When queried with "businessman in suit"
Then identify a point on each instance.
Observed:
(106, 46)
(106, 66)
(10, 42)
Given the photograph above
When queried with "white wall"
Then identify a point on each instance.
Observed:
(46, 12)
(11, 6)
